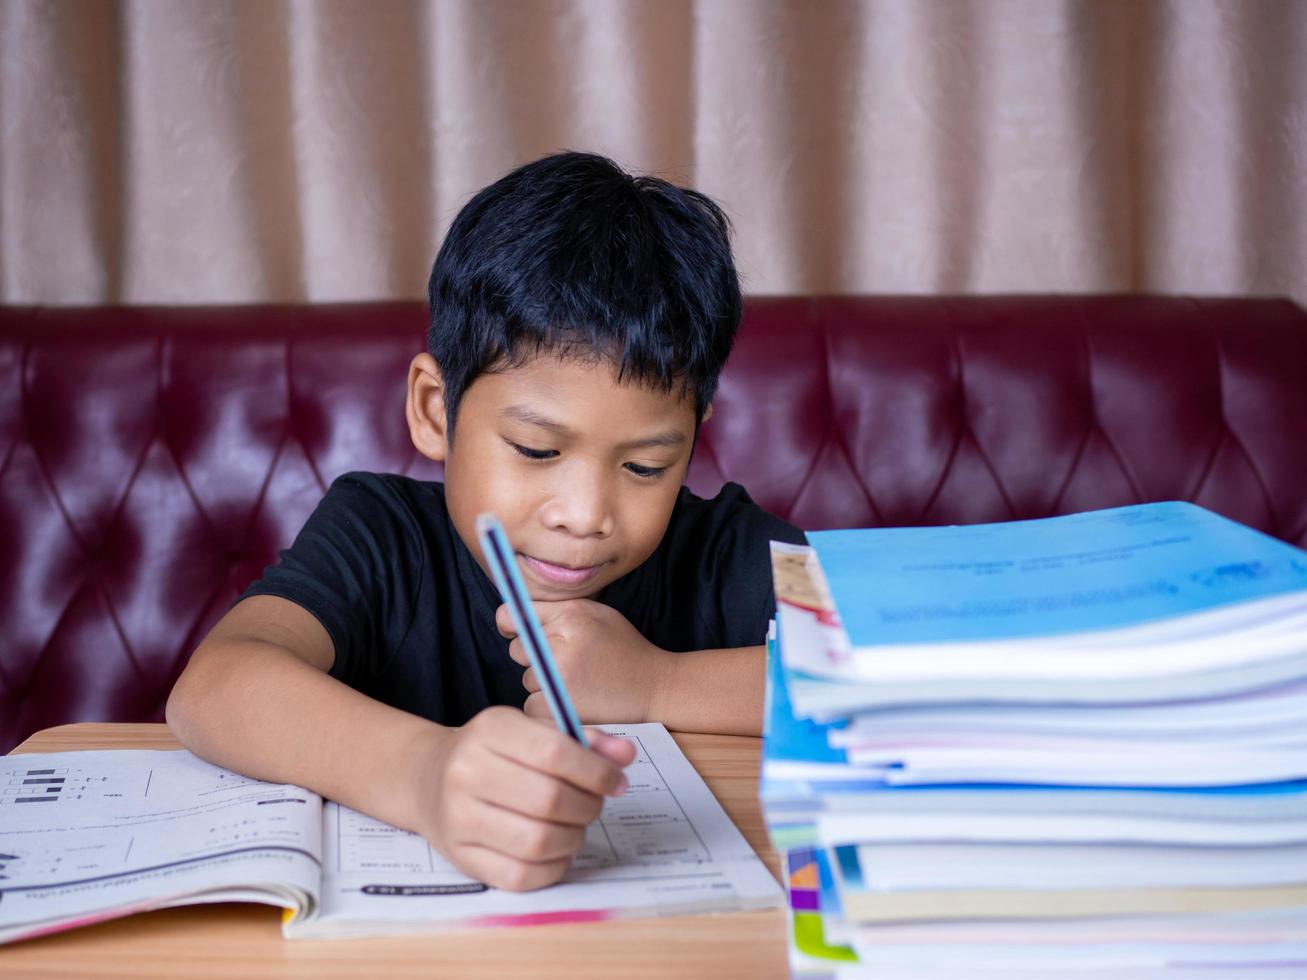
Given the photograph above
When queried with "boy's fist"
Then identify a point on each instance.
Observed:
(611, 671)
(507, 799)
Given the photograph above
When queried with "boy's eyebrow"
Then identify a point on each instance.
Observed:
(671, 439)
(521, 413)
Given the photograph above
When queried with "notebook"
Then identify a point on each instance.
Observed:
(89, 836)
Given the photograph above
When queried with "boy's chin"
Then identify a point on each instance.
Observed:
(539, 594)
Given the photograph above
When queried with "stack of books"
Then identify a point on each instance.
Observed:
(1069, 744)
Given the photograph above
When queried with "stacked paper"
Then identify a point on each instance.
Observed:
(1066, 744)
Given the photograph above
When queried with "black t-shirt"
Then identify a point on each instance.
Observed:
(411, 613)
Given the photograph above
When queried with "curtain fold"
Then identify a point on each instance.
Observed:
(288, 150)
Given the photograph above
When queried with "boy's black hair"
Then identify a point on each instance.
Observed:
(571, 254)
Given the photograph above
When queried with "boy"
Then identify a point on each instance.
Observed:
(579, 320)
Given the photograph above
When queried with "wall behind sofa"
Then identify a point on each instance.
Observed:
(160, 152)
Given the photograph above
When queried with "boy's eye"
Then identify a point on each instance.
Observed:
(530, 453)
(648, 472)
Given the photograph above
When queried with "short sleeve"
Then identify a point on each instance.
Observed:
(735, 597)
(355, 567)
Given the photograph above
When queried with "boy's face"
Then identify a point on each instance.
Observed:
(582, 471)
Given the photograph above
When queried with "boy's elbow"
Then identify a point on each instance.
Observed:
(176, 710)
(182, 705)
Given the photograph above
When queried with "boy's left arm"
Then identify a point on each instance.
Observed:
(614, 674)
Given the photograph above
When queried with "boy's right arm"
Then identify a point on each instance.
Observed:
(505, 797)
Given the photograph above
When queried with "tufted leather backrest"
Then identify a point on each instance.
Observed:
(153, 460)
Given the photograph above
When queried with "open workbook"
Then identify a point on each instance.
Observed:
(88, 836)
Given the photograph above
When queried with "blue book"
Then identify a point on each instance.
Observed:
(786, 737)
(1098, 570)
(801, 771)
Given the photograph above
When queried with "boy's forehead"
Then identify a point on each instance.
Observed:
(538, 388)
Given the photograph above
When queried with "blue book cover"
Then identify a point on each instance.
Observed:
(785, 735)
(1058, 575)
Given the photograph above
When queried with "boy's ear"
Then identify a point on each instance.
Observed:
(424, 407)
(707, 414)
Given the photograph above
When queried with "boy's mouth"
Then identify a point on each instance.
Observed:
(553, 574)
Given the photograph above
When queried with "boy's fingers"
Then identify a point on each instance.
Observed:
(529, 680)
(508, 784)
(618, 749)
(521, 739)
(504, 622)
(508, 873)
(541, 797)
(525, 838)
(518, 652)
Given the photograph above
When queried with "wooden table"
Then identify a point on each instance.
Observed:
(244, 941)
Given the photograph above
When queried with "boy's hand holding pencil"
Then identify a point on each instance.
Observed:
(511, 798)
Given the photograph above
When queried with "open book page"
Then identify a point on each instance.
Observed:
(86, 836)
(665, 847)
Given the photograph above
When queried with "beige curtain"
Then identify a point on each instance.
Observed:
(188, 151)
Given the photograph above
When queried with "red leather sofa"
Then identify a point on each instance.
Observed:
(153, 460)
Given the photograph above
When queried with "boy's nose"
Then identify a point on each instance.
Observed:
(582, 508)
